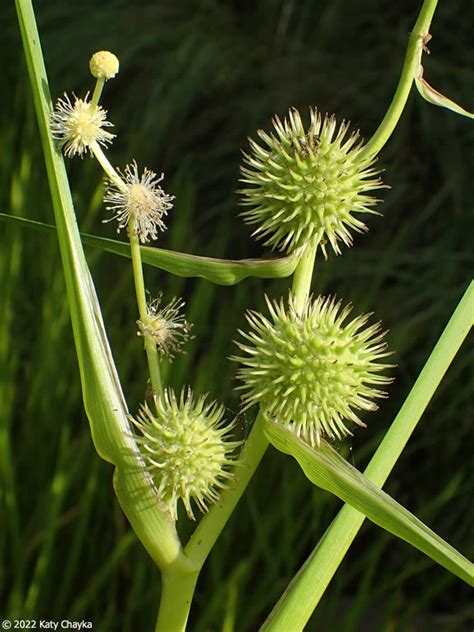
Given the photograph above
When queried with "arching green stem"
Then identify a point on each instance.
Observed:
(104, 162)
(410, 68)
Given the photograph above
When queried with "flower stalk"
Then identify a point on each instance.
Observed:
(137, 266)
(139, 281)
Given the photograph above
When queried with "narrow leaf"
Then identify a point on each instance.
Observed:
(327, 469)
(220, 271)
(436, 98)
(103, 398)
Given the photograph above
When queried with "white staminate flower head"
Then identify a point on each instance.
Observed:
(186, 449)
(312, 372)
(139, 198)
(78, 124)
(104, 65)
(167, 326)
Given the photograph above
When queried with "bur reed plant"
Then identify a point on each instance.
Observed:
(312, 367)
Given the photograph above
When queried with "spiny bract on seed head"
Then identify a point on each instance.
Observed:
(186, 449)
(310, 372)
(305, 186)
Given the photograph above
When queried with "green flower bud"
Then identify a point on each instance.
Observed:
(104, 65)
(307, 185)
(186, 450)
(310, 372)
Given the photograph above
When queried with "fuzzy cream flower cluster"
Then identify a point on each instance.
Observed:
(80, 126)
(138, 199)
(76, 125)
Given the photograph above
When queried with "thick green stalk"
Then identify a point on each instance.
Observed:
(410, 68)
(179, 587)
(306, 589)
(176, 598)
(302, 278)
(211, 525)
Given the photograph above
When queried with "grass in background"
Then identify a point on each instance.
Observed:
(197, 78)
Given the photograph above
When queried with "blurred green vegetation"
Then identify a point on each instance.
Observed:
(197, 77)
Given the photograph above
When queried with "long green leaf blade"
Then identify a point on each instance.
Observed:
(103, 398)
(301, 597)
(327, 469)
(219, 271)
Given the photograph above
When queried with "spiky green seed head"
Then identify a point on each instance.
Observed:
(312, 372)
(186, 449)
(307, 186)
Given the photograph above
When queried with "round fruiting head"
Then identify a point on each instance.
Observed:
(186, 448)
(308, 185)
(315, 371)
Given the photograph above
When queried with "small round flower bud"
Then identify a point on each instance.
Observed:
(77, 125)
(305, 186)
(104, 65)
(186, 450)
(167, 327)
(310, 372)
(141, 198)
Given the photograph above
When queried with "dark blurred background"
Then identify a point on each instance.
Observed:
(197, 78)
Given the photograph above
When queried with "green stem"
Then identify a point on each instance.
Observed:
(178, 587)
(210, 527)
(99, 86)
(306, 589)
(302, 278)
(110, 172)
(177, 590)
(150, 346)
(410, 67)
